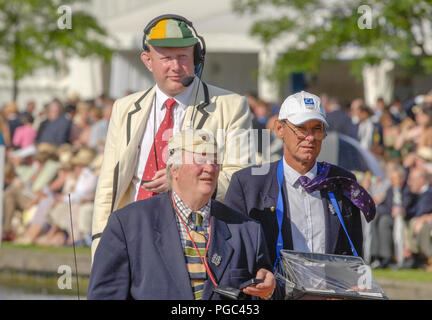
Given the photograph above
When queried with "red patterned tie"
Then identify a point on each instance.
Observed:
(158, 153)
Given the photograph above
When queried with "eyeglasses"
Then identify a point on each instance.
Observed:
(301, 133)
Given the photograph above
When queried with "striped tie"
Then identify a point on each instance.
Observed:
(197, 271)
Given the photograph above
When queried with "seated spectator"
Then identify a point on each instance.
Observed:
(425, 242)
(5, 138)
(10, 111)
(80, 128)
(396, 111)
(424, 120)
(82, 192)
(338, 119)
(418, 134)
(24, 135)
(391, 131)
(56, 128)
(379, 109)
(99, 128)
(276, 144)
(387, 211)
(30, 108)
(366, 127)
(355, 110)
(44, 199)
(29, 180)
(419, 182)
(261, 112)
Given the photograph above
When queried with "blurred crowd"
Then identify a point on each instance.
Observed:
(399, 135)
(52, 159)
(54, 153)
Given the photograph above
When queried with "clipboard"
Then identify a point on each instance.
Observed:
(306, 275)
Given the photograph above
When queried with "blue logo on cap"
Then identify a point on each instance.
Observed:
(309, 102)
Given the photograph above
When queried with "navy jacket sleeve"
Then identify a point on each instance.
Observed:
(234, 197)
(424, 205)
(110, 274)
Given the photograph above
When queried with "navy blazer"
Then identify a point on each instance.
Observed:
(409, 201)
(256, 196)
(140, 255)
(423, 204)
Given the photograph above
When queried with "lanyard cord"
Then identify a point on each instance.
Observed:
(280, 212)
(204, 262)
(339, 214)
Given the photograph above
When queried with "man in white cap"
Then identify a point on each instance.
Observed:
(303, 205)
(181, 244)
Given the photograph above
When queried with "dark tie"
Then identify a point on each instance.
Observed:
(158, 153)
(197, 271)
(304, 181)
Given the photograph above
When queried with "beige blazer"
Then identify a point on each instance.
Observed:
(228, 117)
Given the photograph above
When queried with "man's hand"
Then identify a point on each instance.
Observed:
(264, 289)
(158, 184)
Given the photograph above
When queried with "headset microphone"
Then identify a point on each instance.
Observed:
(186, 82)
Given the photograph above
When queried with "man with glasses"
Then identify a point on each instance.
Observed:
(302, 204)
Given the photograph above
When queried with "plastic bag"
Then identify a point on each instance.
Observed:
(326, 276)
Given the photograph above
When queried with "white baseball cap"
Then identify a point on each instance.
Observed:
(301, 107)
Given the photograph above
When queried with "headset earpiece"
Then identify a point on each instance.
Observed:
(198, 55)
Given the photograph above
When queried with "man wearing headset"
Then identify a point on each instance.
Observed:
(141, 123)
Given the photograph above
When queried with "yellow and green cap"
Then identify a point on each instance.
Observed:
(171, 33)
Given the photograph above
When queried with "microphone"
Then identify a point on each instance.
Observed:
(186, 82)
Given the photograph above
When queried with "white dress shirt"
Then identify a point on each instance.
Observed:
(150, 130)
(306, 212)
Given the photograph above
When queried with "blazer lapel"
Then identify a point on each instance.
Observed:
(332, 223)
(219, 255)
(196, 113)
(167, 241)
(144, 104)
(129, 151)
(270, 193)
(273, 194)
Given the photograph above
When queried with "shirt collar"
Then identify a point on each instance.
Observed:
(292, 176)
(182, 98)
(185, 211)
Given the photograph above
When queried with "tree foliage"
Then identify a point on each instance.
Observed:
(30, 36)
(323, 29)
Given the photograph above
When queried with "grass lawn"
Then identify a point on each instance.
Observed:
(30, 282)
(412, 275)
(81, 250)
